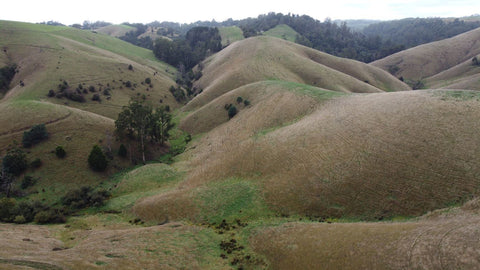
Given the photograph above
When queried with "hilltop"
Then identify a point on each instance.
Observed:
(266, 58)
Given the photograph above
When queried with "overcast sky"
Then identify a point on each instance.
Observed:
(186, 11)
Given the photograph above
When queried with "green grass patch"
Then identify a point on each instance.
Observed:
(231, 199)
(230, 34)
(282, 31)
(143, 181)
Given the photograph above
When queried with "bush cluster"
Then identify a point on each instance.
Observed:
(35, 135)
(97, 159)
(84, 197)
(28, 211)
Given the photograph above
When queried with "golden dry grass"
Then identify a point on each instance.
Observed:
(446, 241)
(368, 156)
(172, 246)
(267, 58)
(462, 76)
(429, 59)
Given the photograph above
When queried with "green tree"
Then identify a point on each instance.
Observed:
(232, 111)
(35, 135)
(6, 181)
(60, 151)
(161, 125)
(15, 161)
(97, 159)
(135, 119)
(122, 150)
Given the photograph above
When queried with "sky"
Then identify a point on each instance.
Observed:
(187, 11)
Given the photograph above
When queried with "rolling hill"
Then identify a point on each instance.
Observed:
(327, 162)
(429, 60)
(69, 61)
(266, 58)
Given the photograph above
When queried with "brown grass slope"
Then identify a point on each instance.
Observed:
(369, 156)
(267, 58)
(117, 30)
(429, 59)
(117, 246)
(440, 241)
(461, 76)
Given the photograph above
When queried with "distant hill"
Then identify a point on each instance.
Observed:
(430, 59)
(115, 30)
(266, 58)
(282, 31)
(412, 32)
(357, 25)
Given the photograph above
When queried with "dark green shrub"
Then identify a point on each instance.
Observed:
(7, 205)
(75, 96)
(28, 181)
(122, 150)
(148, 81)
(49, 216)
(51, 93)
(239, 100)
(128, 84)
(475, 61)
(130, 67)
(60, 152)
(232, 111)
(84, 197)
(246, 102)
(15, 161)
(35, 135)
(19, 219)
(36, 163)
(91, 88)
(97, 159)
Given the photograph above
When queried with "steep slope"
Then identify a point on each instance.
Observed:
(429, 59)
(69, 61)
(267, 58)
(462, 76)
(369, 156)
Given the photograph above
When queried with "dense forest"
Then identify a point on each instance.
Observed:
(412, 32)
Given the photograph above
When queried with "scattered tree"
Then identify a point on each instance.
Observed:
(97, 159)
(232, 111)
(35, 135)
(161, 125)
(15, 161)
(60, 151)
(122, 151)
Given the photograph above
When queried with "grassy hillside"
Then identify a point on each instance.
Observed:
(230, 34)
(369, 156)
(48, 57)
(117, 30)
(430, 59)
(282, 31)
(266, 58)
